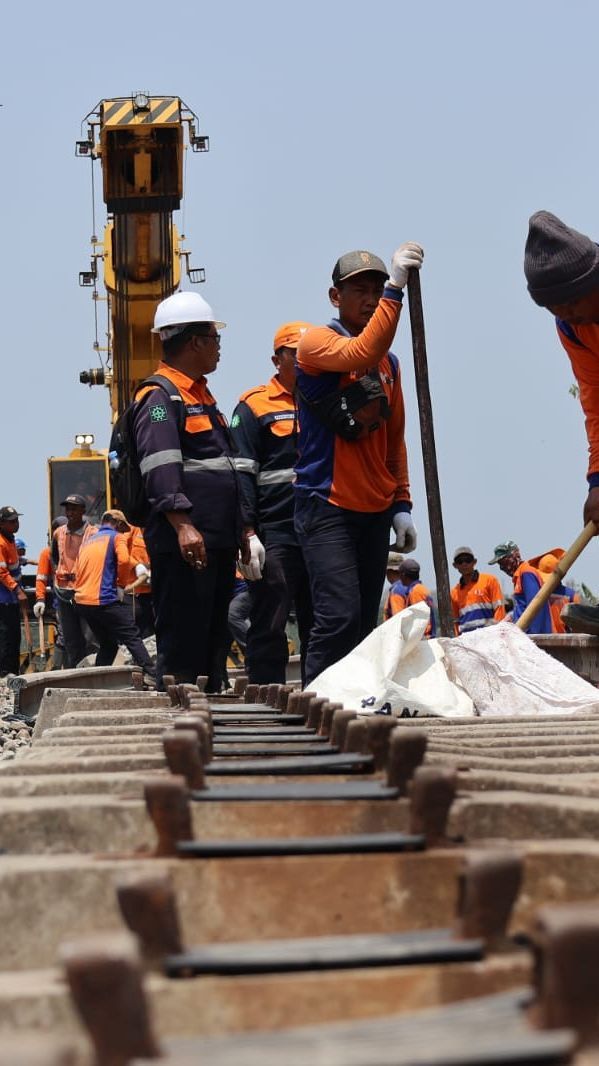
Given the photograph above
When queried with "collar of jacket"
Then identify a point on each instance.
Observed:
(471, 580)
(277, 391)
(178, 378)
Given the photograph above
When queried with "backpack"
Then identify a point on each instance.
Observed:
(126, 481)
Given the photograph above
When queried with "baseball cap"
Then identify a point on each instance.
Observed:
(118, 516)
(288, 335)
(394, 561)
(357, 263)
(8, 513)
(502, 550)
(75, 499)
(463, 550)
(410, 566)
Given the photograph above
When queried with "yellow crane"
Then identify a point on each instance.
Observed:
(139, 142)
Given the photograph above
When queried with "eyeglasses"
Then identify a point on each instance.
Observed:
(464, 559)
(213, 337)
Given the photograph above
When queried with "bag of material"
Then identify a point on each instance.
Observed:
(395, 671)
(505, 673)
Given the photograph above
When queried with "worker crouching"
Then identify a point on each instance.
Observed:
(194, 528)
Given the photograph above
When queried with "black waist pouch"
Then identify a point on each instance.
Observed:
(354, 411)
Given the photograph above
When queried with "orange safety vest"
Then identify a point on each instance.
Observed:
(69, 545)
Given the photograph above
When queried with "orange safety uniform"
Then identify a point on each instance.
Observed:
(369, 474)
(477, 602)
(10, 569)
(103, 563)
(45, 573)
(402, 596)
(582, 345)
(138, 554)
(66, 546)
(527, 582)
(563, 594)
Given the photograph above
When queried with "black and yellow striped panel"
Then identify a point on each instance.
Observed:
(162, 110)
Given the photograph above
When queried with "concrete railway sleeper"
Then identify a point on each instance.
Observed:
(333, 868)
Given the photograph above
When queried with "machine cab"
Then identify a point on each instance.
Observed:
(84, 472)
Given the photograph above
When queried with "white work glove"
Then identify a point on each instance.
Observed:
(405, 532)
(252, 571)
(408, 256)
(120, 594)
(38, 608)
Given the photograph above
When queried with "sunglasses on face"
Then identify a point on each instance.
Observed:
(464, 559)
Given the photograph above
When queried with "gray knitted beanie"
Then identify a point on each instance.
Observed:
(560, 263)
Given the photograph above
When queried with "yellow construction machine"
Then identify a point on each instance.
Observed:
(140, 145)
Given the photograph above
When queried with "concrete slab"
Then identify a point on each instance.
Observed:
(38, 1000)
(44, 901)
(29, 689)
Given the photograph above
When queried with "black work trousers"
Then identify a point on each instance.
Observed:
(10, 638)
(284, 583)
(346, 557)
(112, 624)
(78, 640)
(142, 611)
(191, 608)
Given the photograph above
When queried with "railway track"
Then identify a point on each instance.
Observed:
(268, 878)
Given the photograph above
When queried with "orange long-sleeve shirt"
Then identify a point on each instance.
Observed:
(371, 473)
(10, 569)
(582, 345)
(45, 572)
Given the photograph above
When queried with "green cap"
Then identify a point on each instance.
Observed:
(502, 550)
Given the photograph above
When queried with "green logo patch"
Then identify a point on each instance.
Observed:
(235, 421)
(158, 413)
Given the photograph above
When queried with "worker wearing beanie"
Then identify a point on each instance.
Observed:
(477, 600)
(407, 591)
(352, 481)
(562, 271)
(264, 428)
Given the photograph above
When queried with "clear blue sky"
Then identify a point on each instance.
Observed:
(332, 126)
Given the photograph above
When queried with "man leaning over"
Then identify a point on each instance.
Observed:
(352, 472)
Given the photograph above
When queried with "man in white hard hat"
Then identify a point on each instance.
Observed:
(194, 530)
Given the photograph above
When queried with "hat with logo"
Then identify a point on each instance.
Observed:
(352, 263)
(394, 561)
(7, 514)
(117, 516)
(503, 550)
(75, 500)
(561, 265)
(463, 550)
(288, 335)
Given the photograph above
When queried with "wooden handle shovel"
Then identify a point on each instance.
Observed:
(564, 564)
(42, 637)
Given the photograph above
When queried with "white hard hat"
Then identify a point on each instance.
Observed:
(180, 310)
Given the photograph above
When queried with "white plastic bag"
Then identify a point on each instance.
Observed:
(505, 673)
(394, 671)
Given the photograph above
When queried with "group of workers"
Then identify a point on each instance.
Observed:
(97, 578)
(299, 495)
